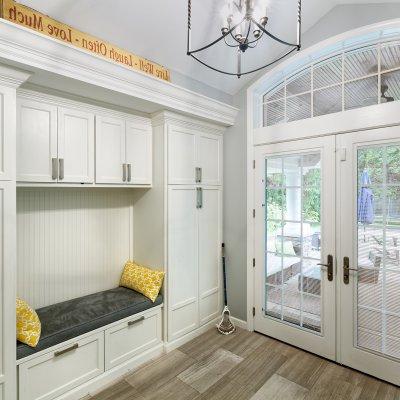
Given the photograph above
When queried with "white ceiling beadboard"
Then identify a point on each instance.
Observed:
(71, 242)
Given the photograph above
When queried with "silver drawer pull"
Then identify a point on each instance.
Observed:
(67, 350)
(123, 172)
(130, 323)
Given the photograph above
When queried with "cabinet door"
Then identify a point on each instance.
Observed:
(7, 133)
(182, 261)
(138, 154)
(36, 141)
(210, 253)
(110, 150)
(75, 146)
(209, 158)
(7, 294)
(181, 156)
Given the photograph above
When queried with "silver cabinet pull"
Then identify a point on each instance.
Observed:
(54, 169)
(123, 172)
(61, 169)
(67, 350)
(199, 197)
(135, 321)
(198, 175)
(129, 172)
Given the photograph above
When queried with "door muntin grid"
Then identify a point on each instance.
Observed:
(293, 280)
(377, 281)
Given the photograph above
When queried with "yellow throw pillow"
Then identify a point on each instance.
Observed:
(28, 324)
(142, 279)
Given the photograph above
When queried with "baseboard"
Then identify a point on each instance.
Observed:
(169, 346)
(239, 323)
(107, 378)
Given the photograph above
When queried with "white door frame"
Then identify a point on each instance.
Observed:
(324, 343)
(378, 116)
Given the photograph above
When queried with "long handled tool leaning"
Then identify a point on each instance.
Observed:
(226, 326)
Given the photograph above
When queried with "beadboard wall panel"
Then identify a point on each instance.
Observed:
(71, 242)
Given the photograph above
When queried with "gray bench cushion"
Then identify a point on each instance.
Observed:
(72, 318)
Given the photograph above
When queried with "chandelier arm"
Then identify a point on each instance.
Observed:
(230, 45)
(243, 73)
(256, 40)
(272, 36)
(231, 30)
(215, 41)
(248, 31)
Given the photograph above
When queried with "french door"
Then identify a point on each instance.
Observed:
(327, 247)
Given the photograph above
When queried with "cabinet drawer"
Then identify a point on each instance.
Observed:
(53, 374)
(131, 337)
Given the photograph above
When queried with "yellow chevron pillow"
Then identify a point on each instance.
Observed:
(28, 324)
(142, 279)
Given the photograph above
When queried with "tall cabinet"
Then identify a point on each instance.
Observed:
(192, 184)
(9, 81)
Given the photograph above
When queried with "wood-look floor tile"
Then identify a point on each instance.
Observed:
(225, 389)
(335, 383)
(210, 370)
(244, 342)
(374, 389)
(303, 368)
(157, 374)
(257, 367)
(207, 343)
(278, 387)
(173, 390)
(119, 391)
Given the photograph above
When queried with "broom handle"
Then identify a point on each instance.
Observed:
(224, 274)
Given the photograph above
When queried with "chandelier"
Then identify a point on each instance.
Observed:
(244, 26)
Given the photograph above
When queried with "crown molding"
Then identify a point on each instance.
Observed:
(12, 77)
(31, 49)
(171, 118)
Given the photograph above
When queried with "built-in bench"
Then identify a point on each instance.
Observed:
(87, 338)
(73, 318)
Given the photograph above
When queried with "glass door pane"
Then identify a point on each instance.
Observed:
(369, 235)
(293, 232)
(378, 241)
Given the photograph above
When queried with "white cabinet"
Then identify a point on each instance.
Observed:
(132, 337)
(194, 157)
(75, 146)
(52, 374)
(182, 261)
(210, 239)
(54, 144)
(194, 242)
(123, 152)
(110, 150)
(7, 133)
(138, 145)
(7, 283)
(36, 141)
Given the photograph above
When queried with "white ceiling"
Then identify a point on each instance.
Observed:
(156, 29)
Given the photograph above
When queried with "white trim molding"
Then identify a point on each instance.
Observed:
(31, 49)
(370, 117)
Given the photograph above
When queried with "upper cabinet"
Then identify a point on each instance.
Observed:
(75, 146)
(36, 141)
(123, 152)
(63, 142)
(195, 157)
(54, 144)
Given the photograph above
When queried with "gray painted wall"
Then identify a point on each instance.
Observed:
(340, 19)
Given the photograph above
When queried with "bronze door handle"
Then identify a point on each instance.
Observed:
(329, 267)
(346, 270)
